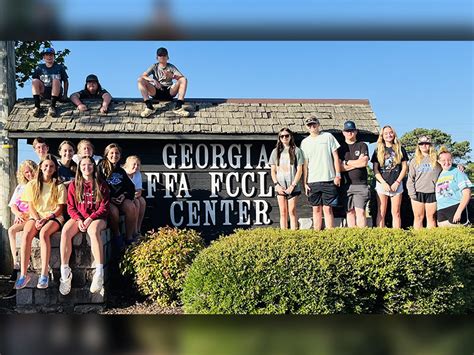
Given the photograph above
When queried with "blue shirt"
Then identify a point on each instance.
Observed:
(449, 187)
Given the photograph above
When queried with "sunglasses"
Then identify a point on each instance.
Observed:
(424, 143)
(284, 136)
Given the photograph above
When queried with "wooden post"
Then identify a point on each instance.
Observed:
(8, 147)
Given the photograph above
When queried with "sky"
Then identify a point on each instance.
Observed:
(409, 84)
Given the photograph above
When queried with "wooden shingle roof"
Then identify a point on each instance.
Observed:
(218, 118)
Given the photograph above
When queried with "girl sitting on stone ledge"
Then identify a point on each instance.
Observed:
(122, 194)
(46, 197)
(88, 207)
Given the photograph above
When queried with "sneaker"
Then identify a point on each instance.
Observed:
(43, 282)
(22, 282)
(97, 283)
(14, 275)
(181, 112)
(65, 285)
(37, 111)
(10, 294)
(147, 112)
(52, 111)
(187, 107)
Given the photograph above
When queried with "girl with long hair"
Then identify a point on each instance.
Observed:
(19, 208)
(88, 207)
(423, 172)
(67, 167)
(390, 167)
(287, 162)
(122, 193)
(132, 168)
(453, 192)
(46, 197)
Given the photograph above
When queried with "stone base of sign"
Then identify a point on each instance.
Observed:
(82, 264)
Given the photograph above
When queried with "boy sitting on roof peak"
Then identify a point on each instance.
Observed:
(161, 87)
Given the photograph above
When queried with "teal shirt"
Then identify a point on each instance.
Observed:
(449, 187)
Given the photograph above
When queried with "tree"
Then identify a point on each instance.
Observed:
(459, 150)
(28, 55)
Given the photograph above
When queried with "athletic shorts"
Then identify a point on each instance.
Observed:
(447, 214)
(163, 94)
(47, 92)
(425, 197)
(355, 196)
(323, 194)
(290, 196)
(380, 190)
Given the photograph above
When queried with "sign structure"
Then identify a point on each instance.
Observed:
(214, 187)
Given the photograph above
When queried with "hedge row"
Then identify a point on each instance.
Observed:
(269, 271)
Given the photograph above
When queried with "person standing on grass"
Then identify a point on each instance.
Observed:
(390, 167)
(287, 162)
(321, 172)
(48, 82)
(88, 207)
(453, 193)
(354, 157)
(46, 197)
(423, 172)
(161, 87)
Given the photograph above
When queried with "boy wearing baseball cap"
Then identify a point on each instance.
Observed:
(161, 86)
(354, 157)
(92, 91)
(48, 81)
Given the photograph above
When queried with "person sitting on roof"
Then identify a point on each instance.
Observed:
(161, 86)
(47, 81)
(92, 90)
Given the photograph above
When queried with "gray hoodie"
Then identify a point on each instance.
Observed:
(422, 178)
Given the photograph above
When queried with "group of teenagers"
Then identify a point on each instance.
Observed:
(77, 191)
(328, 171)
(162, 81)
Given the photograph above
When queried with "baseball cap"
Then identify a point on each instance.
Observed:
(161, 52)
(48, 50)
(92, 77)
(349, 126)
(312, 120)
(424, 139)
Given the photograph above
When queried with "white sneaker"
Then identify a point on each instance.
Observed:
(187, 107)
(65, 285)
(147, 112)
(97, 283)
(181, 111)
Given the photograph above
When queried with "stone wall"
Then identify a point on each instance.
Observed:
(82, 264)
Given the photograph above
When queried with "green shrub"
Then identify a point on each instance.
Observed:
(160, 261)
(269, 271)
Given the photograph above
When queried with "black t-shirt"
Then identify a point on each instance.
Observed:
(84, 94)
(47, 75)
(119, 182)
(65, 173)
(388, 169)
(353, 152)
